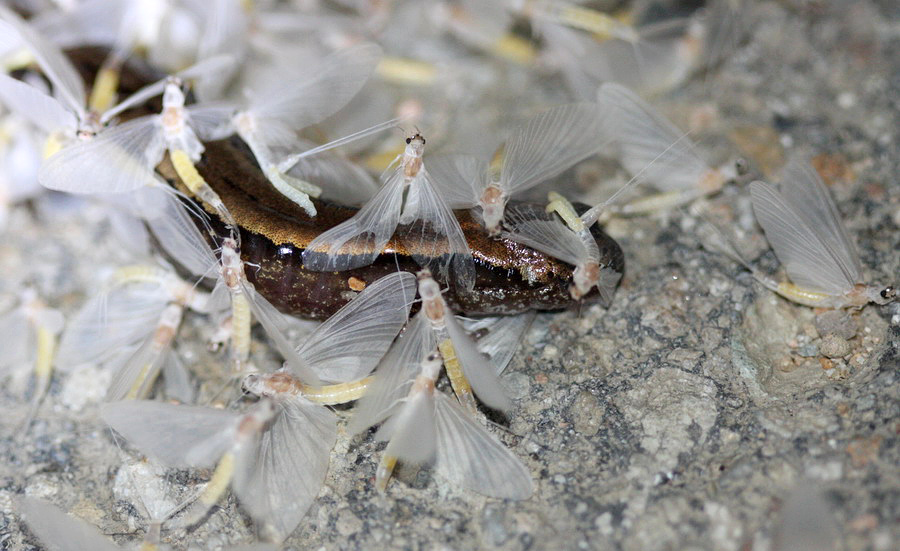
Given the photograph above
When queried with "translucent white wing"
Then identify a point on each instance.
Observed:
(411, 430)
(502, 337)
(61, 532)
(319, 92)
(435, 234)
(394, 375)
(804, 191)
(177, 379)
(16, 341)
(140, 369)
(40, 109)
(116, 160)
(341, 180)
(534, 227)
(649, 144)
(178, 436)
(67, 84)
(473, 458)
(550, 143)
(350, 343)
(212, 121)
(358, 241)
(799, 247)
(278, 480)
(179, 236)
(110, 322)
(459, 178)
(653, 63)
(276, 326)
(479, 370)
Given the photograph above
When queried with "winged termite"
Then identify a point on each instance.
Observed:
(128, 328)
(571, 241)
(804, 228)
(28, 335)
(654, 151)
(423, 425)
(122, 158)
(358, 241)
(274, 112)
(135, 379)
(536, 151)
(435, 326)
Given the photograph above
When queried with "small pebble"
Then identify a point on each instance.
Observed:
(834, 346)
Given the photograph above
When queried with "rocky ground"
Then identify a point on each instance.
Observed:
(698, 412)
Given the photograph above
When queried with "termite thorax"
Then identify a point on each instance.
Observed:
(423, 384)
(412, 156)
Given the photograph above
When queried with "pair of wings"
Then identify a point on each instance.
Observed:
(540, 148)
(432, 426)
(113, 324)
(399, 367)
(122, 158)
(433, 232)
(804, 228)
(650, 147)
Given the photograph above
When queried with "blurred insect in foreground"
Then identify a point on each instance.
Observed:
(654, 151)
(57, 530)
(129, 328)
(804, 228)
(423, 425)
(28, 334)
(539, 149)
(358, 241)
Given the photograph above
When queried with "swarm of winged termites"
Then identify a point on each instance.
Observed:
(238, 151)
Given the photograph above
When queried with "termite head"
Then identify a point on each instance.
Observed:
(172, 94)
(232, 266)
(428, 287)
(883, 295)
(89, 125)
(492, 203)
(415, 145)
(431, 369)
(253, 384)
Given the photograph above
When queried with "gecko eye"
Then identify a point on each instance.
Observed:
(888, 293)
(433, 357)
(408, 140)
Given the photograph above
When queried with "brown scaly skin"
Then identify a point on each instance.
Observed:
(510, 278)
